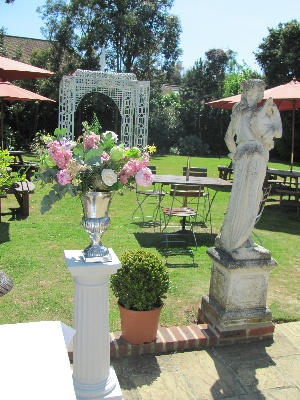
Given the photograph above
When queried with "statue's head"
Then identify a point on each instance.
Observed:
(252, 89)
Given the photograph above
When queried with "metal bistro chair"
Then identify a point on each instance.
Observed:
(151, 196)
(179, 221)
(265, 194)
(205, 214)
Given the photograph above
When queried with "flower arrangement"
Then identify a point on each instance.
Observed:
(95, 162)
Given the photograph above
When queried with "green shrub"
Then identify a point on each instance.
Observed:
(142, 282)
(192, 146)
(6, 177)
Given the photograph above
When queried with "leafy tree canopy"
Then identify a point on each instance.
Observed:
(232, 81)
(140, 36)
(279, 53)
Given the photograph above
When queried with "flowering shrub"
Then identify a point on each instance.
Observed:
(94, 163)
(6, 177)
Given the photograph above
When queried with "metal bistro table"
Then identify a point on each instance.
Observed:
(210, 183)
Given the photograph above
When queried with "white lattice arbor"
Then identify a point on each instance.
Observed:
(130, 95)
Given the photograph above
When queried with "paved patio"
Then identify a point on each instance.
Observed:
(268, 369)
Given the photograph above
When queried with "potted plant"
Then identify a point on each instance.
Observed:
(140, 286)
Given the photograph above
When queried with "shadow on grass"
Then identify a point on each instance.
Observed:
(15, 214)
(149, 239)
(175, 257)
(177, 264)
(279, 219)
(206, 239)
(4, 232)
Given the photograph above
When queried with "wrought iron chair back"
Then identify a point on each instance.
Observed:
(151, 196)
(194, 171)
(205, 216)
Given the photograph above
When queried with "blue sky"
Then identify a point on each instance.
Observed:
(239, 25)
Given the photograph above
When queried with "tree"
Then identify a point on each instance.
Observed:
(2, 44)
(278, 56)
(165, 126)
(202, 83)
(140, 36)
(232, 81)
(279, 53)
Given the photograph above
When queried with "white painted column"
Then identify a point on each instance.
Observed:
(92, 375)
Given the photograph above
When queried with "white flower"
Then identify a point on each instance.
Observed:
(110, 135)
(109, 177)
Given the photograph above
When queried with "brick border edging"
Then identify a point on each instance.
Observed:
(185, 338)
(191, 337)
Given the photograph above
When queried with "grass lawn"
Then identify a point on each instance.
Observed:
(31, 252)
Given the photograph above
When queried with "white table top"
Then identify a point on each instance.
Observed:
(34, 362)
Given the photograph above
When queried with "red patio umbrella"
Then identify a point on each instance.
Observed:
(286, 97)
(9, 91)
(11, 70)
(226, 103)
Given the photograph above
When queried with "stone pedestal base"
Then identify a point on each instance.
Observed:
(236, 304)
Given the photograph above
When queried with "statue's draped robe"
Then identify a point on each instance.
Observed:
(254, 129)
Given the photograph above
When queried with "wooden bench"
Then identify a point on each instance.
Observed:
(289, 198)
(21, 190)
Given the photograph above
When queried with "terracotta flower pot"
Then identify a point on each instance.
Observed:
(139, 326)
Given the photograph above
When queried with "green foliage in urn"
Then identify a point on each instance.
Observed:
(142, 282)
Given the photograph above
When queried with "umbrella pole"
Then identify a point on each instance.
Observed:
(2, 142)
(293, 136)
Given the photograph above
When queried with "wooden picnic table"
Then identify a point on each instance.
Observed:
(290, 179)
(287, 184)
(21, 191)
(21, 166)
(18, 155)
(289, 198)
(225, 172)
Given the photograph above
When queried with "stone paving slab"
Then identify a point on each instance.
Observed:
(250, 371)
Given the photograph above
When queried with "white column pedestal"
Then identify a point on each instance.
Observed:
(92, 375)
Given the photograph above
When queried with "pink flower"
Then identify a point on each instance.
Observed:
(105, 157)
(133, 166)
(91, 141)
(123, 178)
(59, 154)
(144, 177)
(63, 177)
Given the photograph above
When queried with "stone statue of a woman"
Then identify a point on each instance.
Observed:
(249, 138)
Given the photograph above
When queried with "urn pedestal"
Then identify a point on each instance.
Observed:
(236, 304)
(93, 377)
